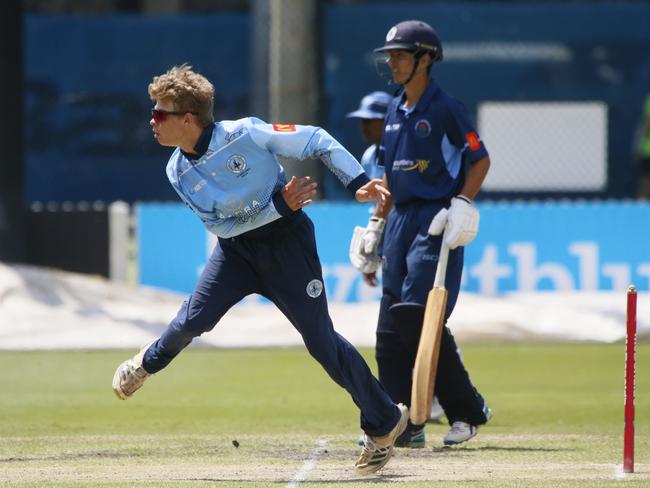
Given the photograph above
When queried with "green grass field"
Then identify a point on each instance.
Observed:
(558, 422)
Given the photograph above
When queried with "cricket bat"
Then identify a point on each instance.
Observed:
(426, 361)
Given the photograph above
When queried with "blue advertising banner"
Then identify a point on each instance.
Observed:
(520, 247)
(172, 246)
(559, 246)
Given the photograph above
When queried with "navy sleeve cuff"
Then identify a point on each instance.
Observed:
(358, 182)
(280, 205)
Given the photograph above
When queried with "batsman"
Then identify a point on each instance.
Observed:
(435, 163)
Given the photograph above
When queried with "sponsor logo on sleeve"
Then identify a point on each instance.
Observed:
(284, 127)
(473, 141)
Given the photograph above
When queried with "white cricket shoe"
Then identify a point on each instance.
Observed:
(378, 450)
(460, 432)
(130, 375)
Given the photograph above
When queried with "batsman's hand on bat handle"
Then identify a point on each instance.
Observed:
(298, 192)
(461, 221)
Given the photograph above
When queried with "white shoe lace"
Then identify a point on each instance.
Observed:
(460, 428)
(370, 452)
(370, 448)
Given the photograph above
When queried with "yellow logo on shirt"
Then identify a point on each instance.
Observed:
(420, 164)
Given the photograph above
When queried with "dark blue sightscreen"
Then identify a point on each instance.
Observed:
(87, 109)
(609, 45)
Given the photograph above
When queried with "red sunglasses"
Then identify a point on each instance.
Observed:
(159, 116)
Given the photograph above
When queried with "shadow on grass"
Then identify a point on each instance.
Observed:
(377, 478)
(73, 457)
(451, 450)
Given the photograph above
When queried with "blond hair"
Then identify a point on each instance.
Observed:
(187, 90)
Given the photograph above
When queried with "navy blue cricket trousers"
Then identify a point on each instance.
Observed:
(280, 262)
(410, 258)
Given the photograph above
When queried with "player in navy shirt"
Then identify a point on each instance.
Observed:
(435, 163)
(371, 113)
(228, 174)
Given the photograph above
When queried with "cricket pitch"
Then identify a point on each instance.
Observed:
(303, 460)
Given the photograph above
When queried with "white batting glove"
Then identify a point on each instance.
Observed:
(438, 223)
(462, 222)
(372, 236)
(364, 244)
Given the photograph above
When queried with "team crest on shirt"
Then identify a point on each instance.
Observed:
(237, 164)
(314, 288)
(422, 128)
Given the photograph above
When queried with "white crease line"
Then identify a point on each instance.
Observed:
(308, 465)
(619, 474)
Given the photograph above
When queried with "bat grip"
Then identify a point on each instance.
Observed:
(441, 269)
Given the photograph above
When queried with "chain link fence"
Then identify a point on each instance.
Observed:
(545, 147)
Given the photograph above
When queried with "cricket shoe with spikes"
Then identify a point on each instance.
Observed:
(413, 437)
(462, 431)
(378, 450)
(130, 375)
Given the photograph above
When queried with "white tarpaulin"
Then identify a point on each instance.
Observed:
(47, 309)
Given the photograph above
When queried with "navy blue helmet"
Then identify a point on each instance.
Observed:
(413, 35)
